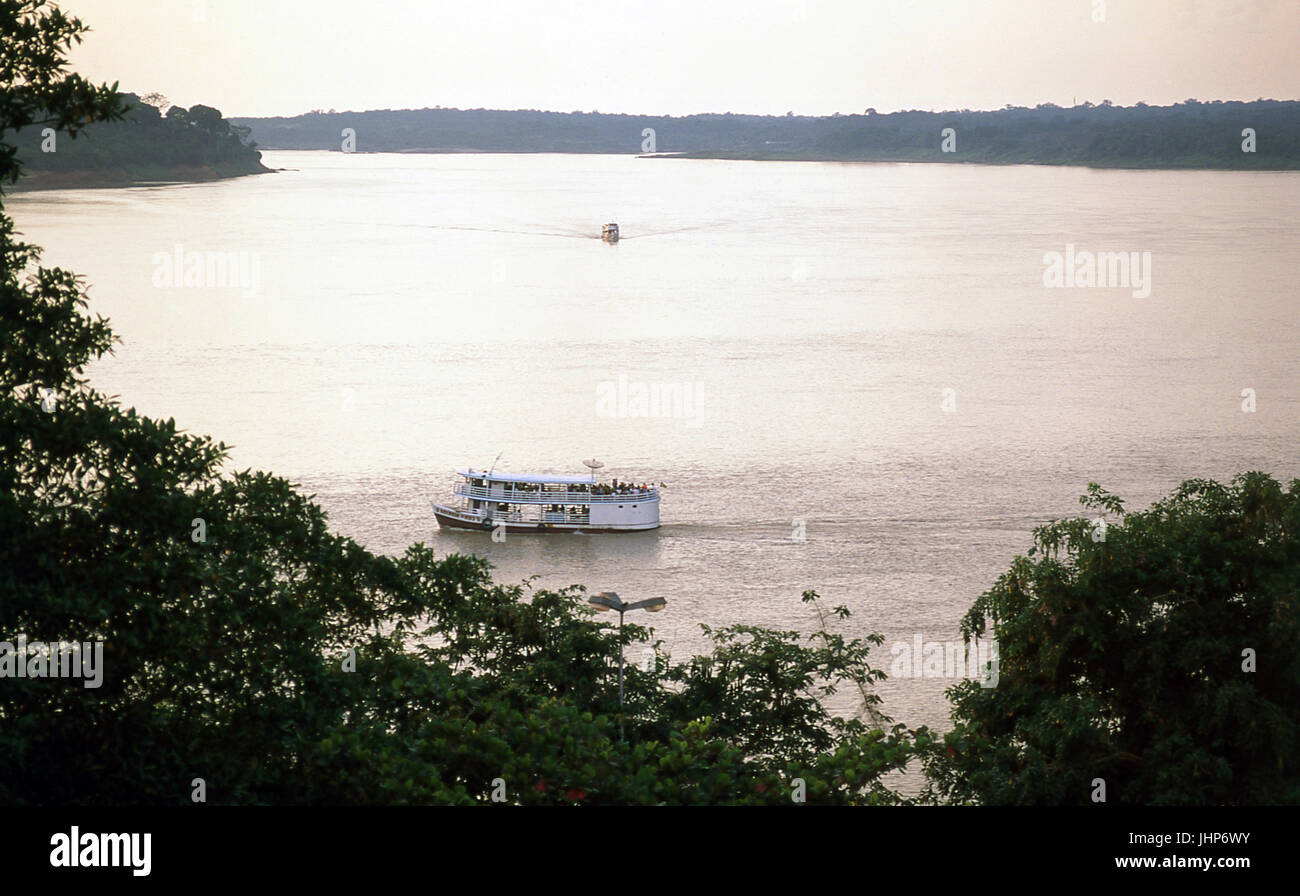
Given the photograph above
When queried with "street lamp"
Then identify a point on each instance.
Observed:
(608, 600)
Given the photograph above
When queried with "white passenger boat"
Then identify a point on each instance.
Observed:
(490, 500)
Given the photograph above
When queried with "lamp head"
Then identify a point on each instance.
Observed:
(605, 601)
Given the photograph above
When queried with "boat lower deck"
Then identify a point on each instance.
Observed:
(449, 518)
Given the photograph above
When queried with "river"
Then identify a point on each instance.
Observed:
(885, 398)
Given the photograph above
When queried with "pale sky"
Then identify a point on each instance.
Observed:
(677, 57)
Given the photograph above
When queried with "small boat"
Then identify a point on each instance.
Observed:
(537, 503)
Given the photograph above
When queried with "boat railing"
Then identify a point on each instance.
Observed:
(517, 517)
(519, 496)
(458, 512)
(566, 518)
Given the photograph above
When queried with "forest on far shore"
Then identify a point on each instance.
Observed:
(1262, 134)
(147, 144)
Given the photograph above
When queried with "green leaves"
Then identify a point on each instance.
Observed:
(34, 87)
(1123, 658)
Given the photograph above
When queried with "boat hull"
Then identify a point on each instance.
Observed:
(448, 521)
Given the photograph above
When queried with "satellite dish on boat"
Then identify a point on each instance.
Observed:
(592, 465)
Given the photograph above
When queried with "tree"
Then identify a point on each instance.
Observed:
(157, 100)
(209, 119)
(35, 89)
(140, 110)
(1155, 656)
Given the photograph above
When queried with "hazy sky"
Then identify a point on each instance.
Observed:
(283, 57)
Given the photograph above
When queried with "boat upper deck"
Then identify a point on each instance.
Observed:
(551, 489)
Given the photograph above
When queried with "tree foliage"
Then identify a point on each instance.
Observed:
(110, 132)
(35, 87)
(145, 144)
(1185, 135)
(1156, 655)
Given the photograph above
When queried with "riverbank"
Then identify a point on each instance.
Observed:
(1245, 163)
(153, 175)
(1262, 135)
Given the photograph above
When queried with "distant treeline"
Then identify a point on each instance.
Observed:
(1190, 134)
(145, 145)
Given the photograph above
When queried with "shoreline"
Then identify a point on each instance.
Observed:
(116, 178)
(119, 178)
(741, 156)
(1003, 163)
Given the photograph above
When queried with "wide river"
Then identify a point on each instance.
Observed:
(885, 398)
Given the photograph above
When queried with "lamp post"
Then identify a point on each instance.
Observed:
(608, 600)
